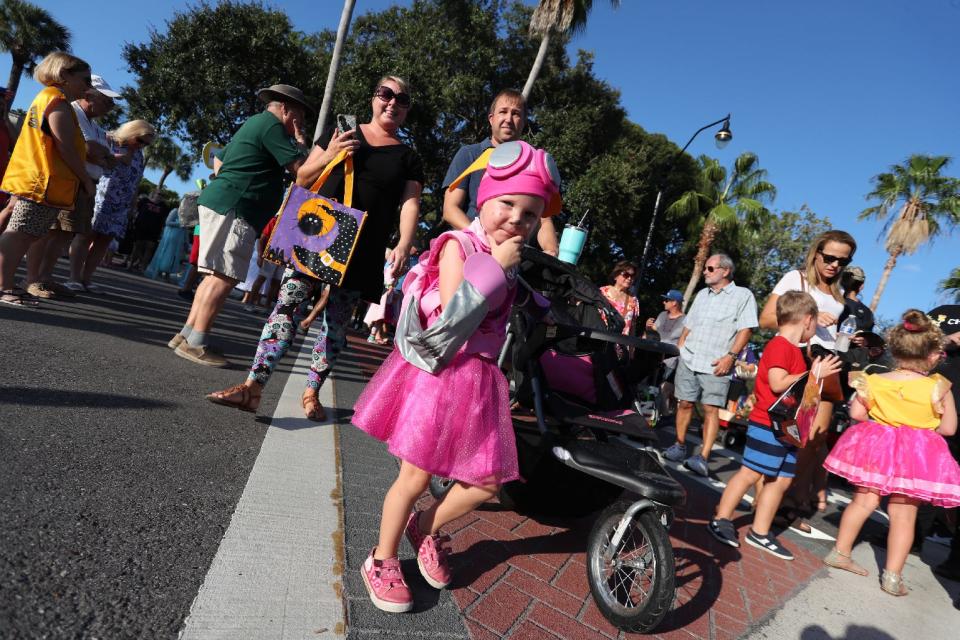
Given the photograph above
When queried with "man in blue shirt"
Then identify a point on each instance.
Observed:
(507, 117)
(717, 327)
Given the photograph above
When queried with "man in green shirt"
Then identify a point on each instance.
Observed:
(237, 205)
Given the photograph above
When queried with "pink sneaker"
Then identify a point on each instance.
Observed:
(385, 584)
(431, 554)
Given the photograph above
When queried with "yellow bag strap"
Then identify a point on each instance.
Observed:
(347, 177)
(478, 165)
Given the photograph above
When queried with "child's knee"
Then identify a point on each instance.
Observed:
(412, 480)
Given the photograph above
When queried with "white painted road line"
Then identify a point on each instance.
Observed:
(277, 572)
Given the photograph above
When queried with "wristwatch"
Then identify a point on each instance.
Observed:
(732, 354)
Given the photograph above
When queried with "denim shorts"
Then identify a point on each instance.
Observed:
(700, 387)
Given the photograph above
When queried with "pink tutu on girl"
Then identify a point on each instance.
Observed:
(454, 423)
(904, 460)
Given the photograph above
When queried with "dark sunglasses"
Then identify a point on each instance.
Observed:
(711, 269)
(387, 94)
(829, 259)
(628, 274)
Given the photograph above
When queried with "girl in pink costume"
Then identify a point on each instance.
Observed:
(897, 449)
(439, 400)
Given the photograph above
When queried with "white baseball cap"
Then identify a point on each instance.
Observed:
(98, 83)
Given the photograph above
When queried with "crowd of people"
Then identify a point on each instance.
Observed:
(72, 184)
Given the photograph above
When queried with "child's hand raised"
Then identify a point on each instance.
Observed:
(824, 367)
(507, 253)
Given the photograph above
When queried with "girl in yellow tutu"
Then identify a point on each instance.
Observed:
(897, 447)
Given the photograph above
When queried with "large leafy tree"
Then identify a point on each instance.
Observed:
(771, 245)
(722, 200)
(28, 33)
(928, 201)
(164, 154)
(197, 79)
(560, 17)
(951, 285)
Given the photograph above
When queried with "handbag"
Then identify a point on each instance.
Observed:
(792, 415)
(314, 234)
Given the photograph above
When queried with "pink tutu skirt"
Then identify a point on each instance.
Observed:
(911, 462)
(455, 423)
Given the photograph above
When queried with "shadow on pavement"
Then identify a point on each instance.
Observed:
(41, 397)
(853, 632)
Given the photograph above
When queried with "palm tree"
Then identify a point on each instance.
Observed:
(28, 33)
(345, 17)
(929, 200)
(555, 16)
(164, 154)
(720, 202)
(952, 285)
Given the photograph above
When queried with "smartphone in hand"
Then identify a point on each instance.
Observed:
(346, 122)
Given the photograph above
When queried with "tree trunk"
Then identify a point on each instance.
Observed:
(887, 268)
(537, 65)
(345, 18)
(13, 82)
(703, 252)
(163, 178)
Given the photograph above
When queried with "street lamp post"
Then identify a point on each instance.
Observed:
(722, 137)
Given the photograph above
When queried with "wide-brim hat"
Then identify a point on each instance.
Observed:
(285, 93)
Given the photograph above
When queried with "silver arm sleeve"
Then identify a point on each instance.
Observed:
(432, 348)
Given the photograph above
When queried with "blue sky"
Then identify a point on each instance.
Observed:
(828, 94)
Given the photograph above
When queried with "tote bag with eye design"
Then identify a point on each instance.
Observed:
(316, 235)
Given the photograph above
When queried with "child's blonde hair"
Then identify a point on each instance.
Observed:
(133, 129)
(51, 69)
(794, 306)
(915, 339)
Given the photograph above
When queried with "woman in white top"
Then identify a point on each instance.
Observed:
(830, 252)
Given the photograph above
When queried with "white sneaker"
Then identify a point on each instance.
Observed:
(73, 285)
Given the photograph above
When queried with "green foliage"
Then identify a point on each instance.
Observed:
(197, 79)
(951, 285)
(456, 54)
(769, 247)
(165, 155)
(29, 33)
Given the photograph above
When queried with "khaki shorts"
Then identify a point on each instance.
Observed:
(80, 220)
(706, 388)
(227, 242)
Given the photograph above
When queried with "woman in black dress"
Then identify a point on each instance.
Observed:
(388, 176)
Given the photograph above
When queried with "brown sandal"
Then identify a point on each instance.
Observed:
(247, 400)
(312, 408)
(839, 560)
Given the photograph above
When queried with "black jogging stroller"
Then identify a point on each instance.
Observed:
(582, 445)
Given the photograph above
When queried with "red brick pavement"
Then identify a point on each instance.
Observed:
(520, 578)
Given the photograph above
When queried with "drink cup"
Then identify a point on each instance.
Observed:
(571, 243)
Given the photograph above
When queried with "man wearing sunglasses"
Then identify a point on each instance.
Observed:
(717, 328)
(507, 118)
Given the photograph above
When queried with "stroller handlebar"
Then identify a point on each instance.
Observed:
(570, 331)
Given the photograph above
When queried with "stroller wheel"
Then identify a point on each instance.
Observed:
(440, 486)
(635, 587)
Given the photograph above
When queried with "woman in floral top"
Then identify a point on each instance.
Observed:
(619, 296)
(117, 192)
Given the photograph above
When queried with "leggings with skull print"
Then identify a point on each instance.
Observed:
(281, 328)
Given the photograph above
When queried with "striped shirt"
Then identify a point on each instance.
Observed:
(714, 319)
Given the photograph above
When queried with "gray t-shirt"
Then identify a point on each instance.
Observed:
(669, 328)
(463, 159)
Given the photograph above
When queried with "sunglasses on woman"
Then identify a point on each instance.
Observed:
(387, 94)
(829, 259)
(628, 274)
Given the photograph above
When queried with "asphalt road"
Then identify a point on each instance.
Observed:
(117, 479)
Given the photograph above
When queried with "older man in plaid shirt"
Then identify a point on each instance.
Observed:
(718, 326)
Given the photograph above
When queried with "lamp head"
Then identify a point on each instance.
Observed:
(724, 135)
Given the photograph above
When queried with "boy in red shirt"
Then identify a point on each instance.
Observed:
(764, 456)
